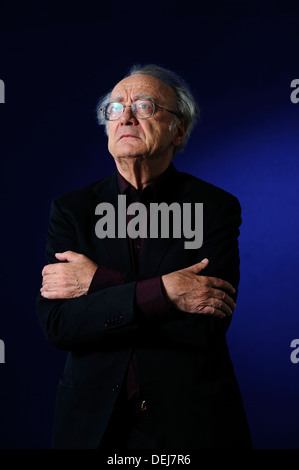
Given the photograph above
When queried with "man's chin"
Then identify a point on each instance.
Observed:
(129, 156)
(128, 152)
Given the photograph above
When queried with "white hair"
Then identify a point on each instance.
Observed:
(186, 106)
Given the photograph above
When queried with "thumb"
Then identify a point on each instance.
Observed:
(198, 267)
(66, 256)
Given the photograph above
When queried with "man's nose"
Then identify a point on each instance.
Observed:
(127, 117)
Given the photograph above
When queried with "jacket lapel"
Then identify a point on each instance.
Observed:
(155, 249)
(115, 250)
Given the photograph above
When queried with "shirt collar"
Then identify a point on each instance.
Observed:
(157, 185)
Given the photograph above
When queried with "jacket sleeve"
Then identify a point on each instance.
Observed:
(221, 247)
(86, 320)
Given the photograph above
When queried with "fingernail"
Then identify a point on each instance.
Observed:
(205, 260)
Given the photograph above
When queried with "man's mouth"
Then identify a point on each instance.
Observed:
(134, 136)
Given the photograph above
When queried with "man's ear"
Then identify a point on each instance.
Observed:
(180, 134)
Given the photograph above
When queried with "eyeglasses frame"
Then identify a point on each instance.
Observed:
(103, 109)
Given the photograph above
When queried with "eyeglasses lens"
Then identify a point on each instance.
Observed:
(141, 108)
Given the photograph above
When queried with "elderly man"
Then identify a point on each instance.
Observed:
(144, 317)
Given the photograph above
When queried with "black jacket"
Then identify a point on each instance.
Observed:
(185, 369)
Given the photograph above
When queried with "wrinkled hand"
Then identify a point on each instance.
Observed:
(187, 291)
(67, 280)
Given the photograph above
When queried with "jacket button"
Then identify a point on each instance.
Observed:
(115, 388)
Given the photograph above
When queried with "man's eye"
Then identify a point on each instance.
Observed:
(143, 106)
(116, 107)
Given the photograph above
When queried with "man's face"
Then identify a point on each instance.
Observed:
(130, 137)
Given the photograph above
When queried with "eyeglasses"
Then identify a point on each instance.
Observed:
(142, 109)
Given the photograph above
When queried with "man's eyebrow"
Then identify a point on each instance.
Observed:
(140, 96)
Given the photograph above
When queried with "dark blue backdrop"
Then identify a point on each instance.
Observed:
(239, 58)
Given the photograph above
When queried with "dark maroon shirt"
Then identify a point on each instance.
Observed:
(149, 298)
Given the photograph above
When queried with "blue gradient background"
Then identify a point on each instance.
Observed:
(239, 58)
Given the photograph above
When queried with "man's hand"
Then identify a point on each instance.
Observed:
(191, 293)
(67, 280)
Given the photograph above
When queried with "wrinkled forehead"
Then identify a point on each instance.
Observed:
(131, 88)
